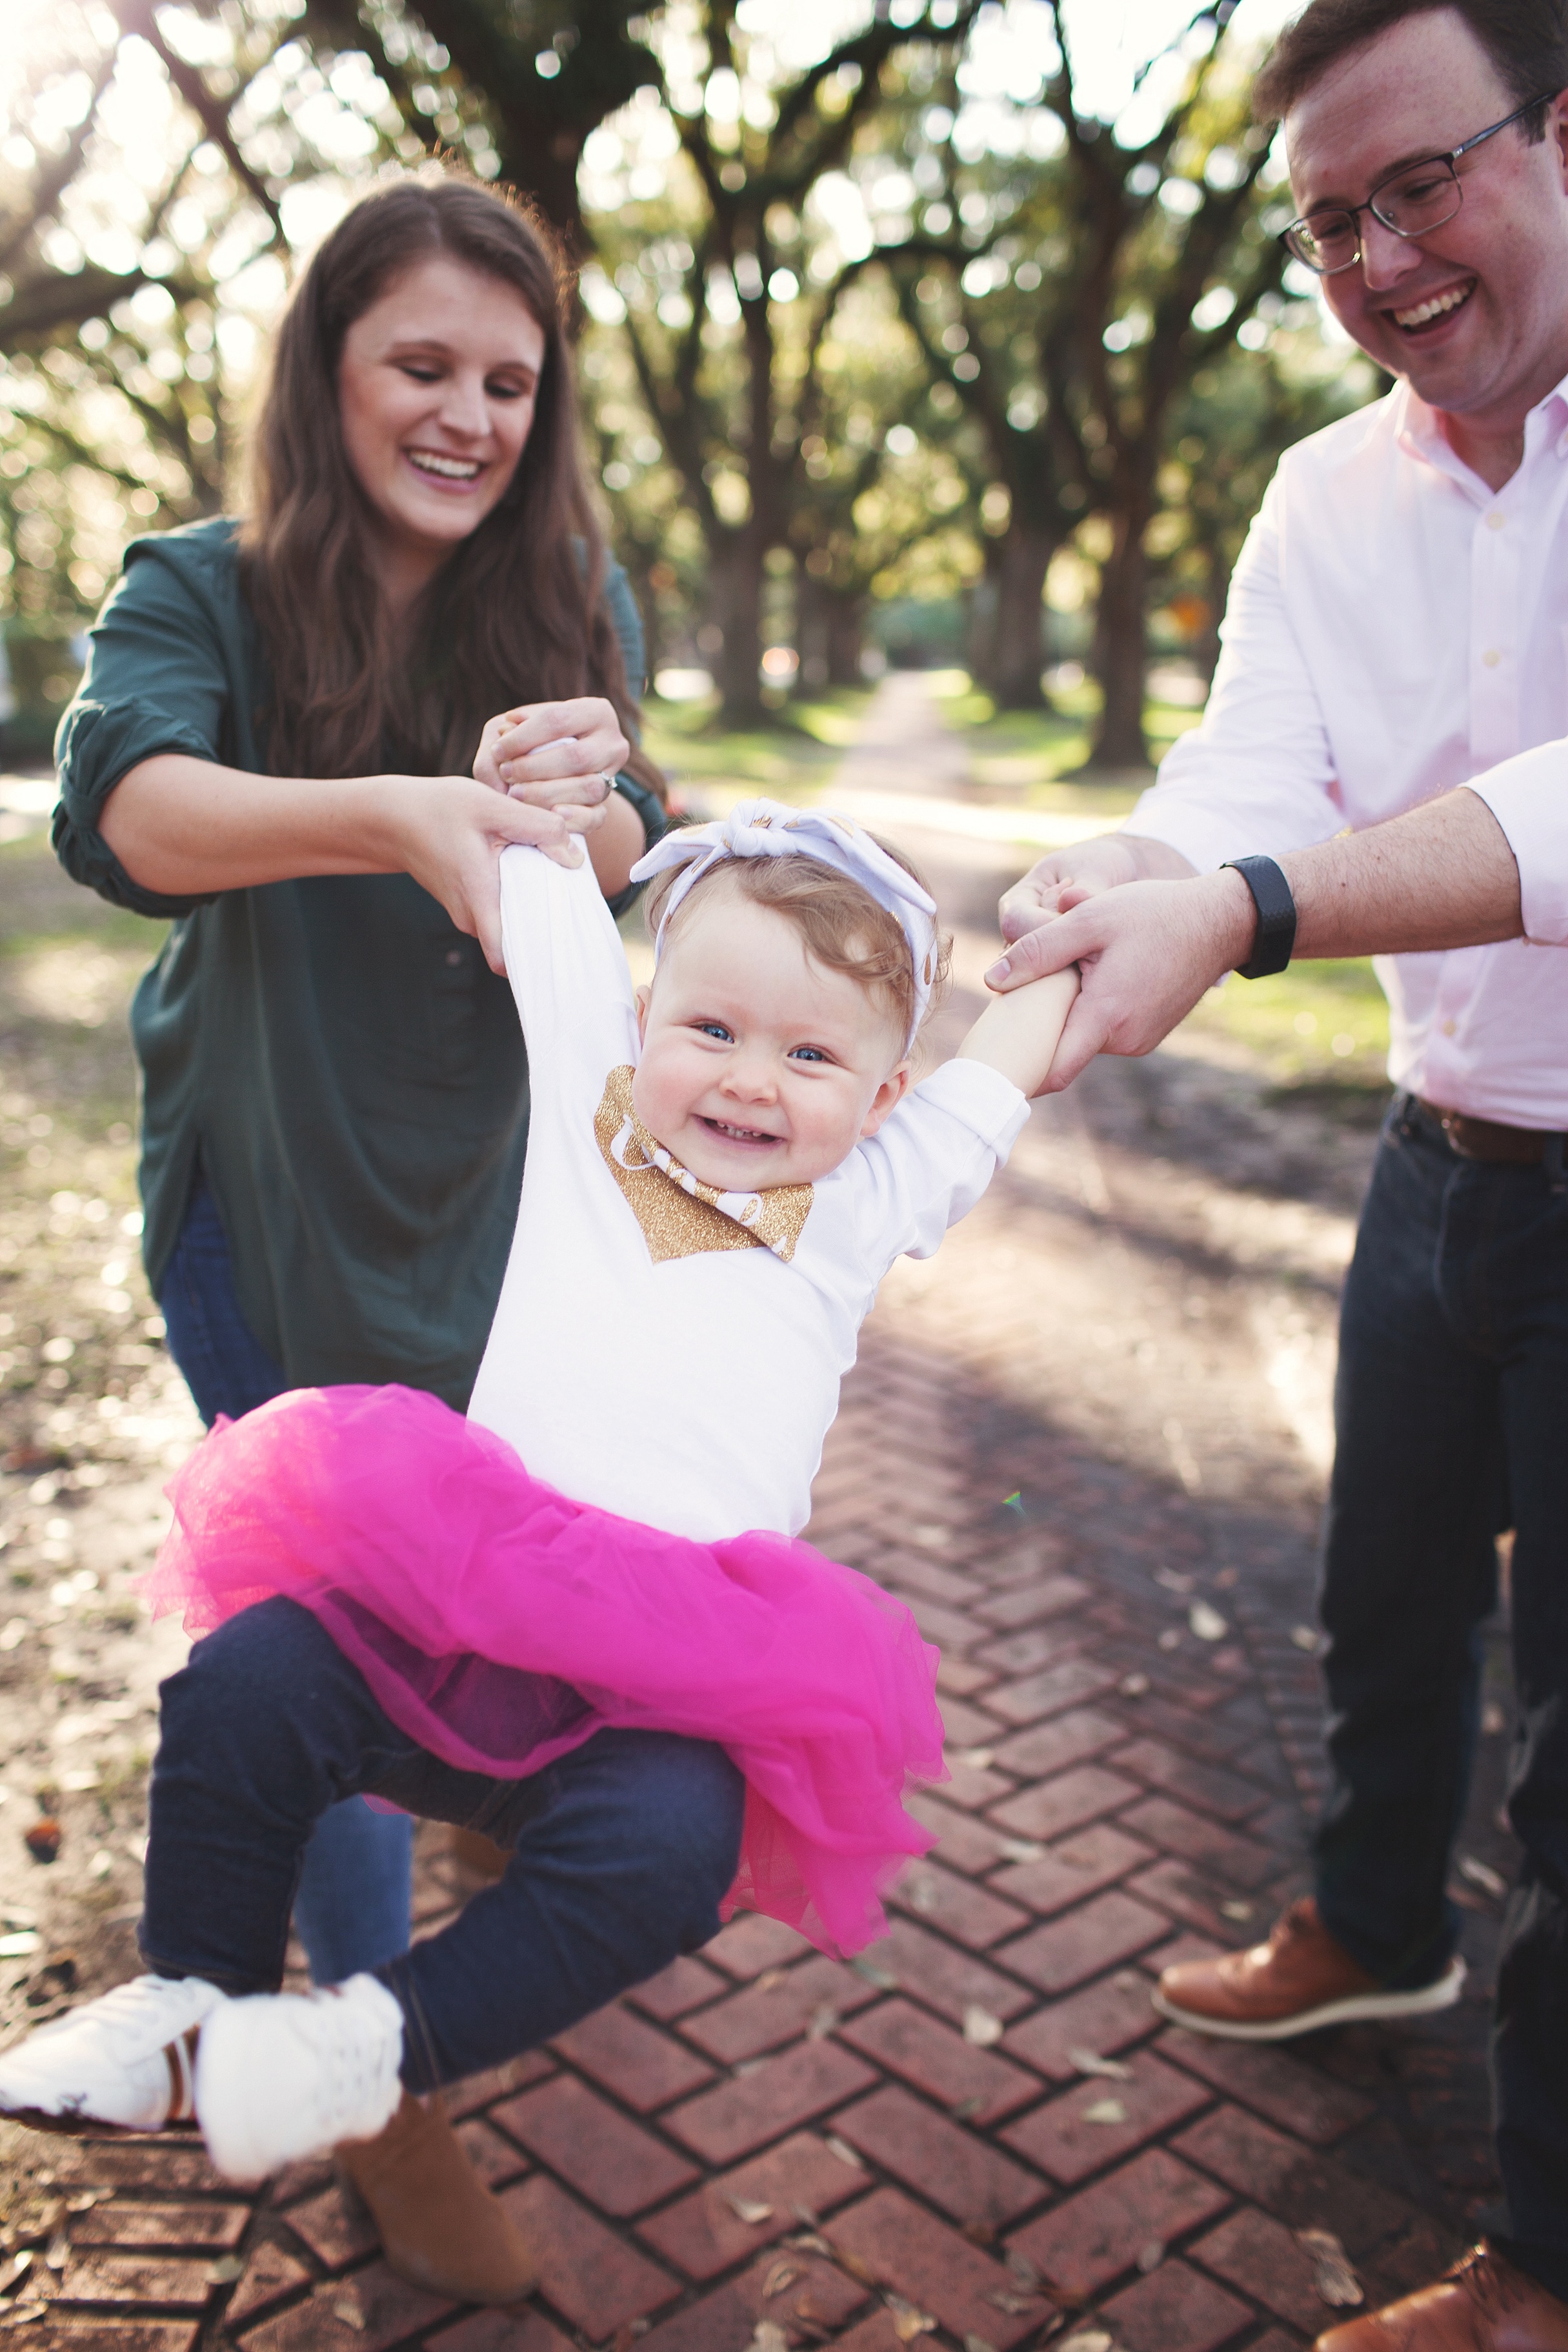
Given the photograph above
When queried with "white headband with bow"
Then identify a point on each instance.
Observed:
(762, 828)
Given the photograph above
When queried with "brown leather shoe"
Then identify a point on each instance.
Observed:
(438, 2224)
(1482, 2305)
(1300, 1980)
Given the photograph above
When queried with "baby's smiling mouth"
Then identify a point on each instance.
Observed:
(737, 1134)
(1436, 307)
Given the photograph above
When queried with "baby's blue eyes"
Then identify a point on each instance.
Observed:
(724, 1036)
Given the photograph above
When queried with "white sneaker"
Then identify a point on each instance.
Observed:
(281, 2076)
(124, 2060)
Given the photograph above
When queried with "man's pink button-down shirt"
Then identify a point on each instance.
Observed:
(1395, 628)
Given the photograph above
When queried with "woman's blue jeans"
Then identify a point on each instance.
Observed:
(622, 1851)
(355, 1890)
(1451, 1415)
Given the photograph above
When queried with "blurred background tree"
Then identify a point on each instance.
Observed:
(903, 325)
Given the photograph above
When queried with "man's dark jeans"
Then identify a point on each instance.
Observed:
(1451, 1414)
(355, 1891)
(622, 1851)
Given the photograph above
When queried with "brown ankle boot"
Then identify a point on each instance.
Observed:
(438, 2224)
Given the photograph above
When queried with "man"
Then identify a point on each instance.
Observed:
(1398, 626)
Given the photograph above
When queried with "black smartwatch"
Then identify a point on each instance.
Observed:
(1276, 933)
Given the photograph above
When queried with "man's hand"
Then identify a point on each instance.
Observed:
(553, 754)
(1146, 951)
(1068, 876)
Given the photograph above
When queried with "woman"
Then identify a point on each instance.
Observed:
(273, 744)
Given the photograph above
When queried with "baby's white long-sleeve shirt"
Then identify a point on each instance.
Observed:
(691, 1391)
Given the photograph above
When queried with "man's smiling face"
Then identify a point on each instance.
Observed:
(1475, 314)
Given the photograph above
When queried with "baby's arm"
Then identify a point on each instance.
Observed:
(1018, 1033)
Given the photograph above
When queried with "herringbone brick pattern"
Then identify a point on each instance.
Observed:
(980, 2130)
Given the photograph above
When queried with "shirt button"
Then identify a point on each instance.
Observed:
(1495, 522)
(1492, 657)
(454, 955)
(1450, 1028)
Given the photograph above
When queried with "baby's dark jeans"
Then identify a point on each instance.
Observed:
(621, 1851)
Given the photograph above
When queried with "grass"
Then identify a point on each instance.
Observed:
(790, 759)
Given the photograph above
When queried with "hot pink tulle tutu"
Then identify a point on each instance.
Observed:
(500, 1624)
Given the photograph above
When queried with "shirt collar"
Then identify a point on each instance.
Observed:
(1420, 434)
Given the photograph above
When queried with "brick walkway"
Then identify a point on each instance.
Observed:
(1069, 1445)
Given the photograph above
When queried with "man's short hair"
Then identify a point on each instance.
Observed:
(1527, 41)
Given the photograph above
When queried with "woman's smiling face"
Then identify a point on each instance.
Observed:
(436, 388)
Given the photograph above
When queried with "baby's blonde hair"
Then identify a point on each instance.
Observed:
(841, 925)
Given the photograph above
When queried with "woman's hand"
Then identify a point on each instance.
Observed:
(449, 831)
(554, 755)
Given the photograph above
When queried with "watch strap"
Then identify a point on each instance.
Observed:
(1276, 933)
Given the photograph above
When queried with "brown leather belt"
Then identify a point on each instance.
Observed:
(1488, 1139)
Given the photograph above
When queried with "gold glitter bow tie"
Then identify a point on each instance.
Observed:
(679, 1216)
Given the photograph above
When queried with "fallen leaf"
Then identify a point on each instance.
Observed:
(967, 2109)
(980, 2028)
(769, 2337)
(18, 1946)
(745, 2208)
(811, 2242)
(1105, 2111)
(226, 2270)
(58, 2253)
(1236, 1909)
(43, 1839)
(883, 1979)
(1151, 2255)
(1133, 1686)
(976, 1760)
(1024, 2272)
(1304, 1636)
(853, 2265)
(85, 2199)
(1013, 2305)
(1171, 1581)
(977, 2344)
(1479, 1874)
(1206, 1622)
(1021, 1849)
(824, 2021)
(351, 2314)
(770, 1981)
(843, 2151)
(909, 2321)
(1088, 2062)
(1336, 2283)
(1088, 2339)
(781, 2274)
(18, 2267)
(921, 1892)
(21, 2313)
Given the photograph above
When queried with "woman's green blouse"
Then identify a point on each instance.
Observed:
(344, 1064)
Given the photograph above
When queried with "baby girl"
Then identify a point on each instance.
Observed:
(579, 1619)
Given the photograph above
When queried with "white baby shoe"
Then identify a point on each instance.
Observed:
(124, 2060)
(282, 2075)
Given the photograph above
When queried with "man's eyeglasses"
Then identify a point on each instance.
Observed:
(1410, 202)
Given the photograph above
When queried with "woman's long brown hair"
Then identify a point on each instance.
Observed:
(516, 614)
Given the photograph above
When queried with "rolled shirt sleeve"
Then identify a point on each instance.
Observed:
(160, 676)
(1258, 774)
(1529, 797)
